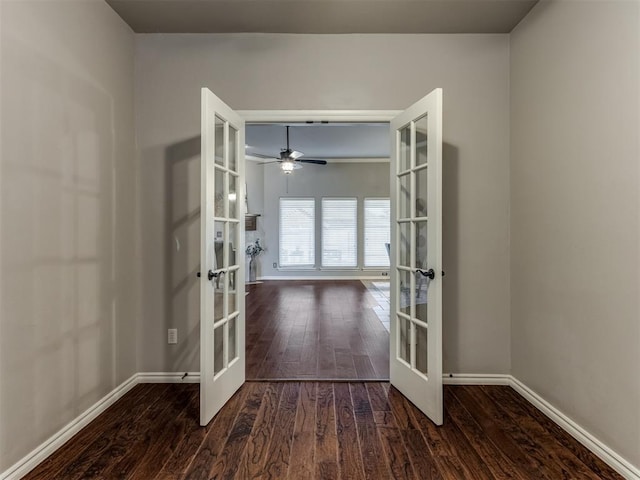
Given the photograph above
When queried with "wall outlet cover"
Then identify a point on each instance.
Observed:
(172, 336)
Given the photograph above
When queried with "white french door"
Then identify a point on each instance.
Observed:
(222, 315)
(416, 254)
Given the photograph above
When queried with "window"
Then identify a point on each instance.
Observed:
(339, 232)
(297, 232)
(377, 231)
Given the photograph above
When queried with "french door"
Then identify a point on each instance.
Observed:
(222, 315)
(416, 254)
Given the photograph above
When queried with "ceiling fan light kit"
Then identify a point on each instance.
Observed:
(287, 167)
(290, 159)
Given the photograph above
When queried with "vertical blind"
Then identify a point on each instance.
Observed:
(377, 231)
(297, 232)
(339, 232)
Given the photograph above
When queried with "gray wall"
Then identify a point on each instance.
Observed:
(575, 183)
(67, 224)
(360, 180)
(384, 72)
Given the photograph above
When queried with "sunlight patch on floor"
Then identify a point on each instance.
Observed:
(381, 292)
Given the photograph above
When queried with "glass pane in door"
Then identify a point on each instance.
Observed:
(404, 285)
(421, 141)
(421, 349)
(404, 239)
(218, 200)
(219, 229)
(234, 243)
(234, 229)
(233, 153)
(404, 160)
(233, 349)
(420, 244)
(421, 192)
(233, 201)
(405, 196)
(404, 339)
(218, 349)
(219, 142)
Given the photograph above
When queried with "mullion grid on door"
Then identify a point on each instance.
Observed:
(415, 219)
(411, 172)
(225, 220)
(412, 215)
(402, 173)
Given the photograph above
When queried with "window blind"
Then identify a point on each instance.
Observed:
(377, 231)
(339, 232)
(297, 232)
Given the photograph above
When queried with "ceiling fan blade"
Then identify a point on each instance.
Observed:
(295, 154)
(312, 160)
(262, 155)
(269, 163)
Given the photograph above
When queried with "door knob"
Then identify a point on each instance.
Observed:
(429, 273)
(210, 275)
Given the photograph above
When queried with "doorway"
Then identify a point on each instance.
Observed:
(323, 231)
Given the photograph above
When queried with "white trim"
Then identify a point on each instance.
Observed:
(355, 116)
(324, 277)
(475, 379)
(41, 452)
(168, 377)
(608, 455)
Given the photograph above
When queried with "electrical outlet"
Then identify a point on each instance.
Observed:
(385, 274)
(275, 265)
(172, 336)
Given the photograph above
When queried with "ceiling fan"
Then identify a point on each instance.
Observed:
(290, 159)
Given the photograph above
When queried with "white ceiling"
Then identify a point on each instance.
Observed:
(322, 16)
(323, 141)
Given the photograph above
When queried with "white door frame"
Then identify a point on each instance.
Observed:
(335, 116)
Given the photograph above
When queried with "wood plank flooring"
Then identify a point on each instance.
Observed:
(314, 330)
(304, 430)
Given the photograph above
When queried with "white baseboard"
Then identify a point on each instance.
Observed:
(608, 455)
(476, 379)
(37, 455)
(169, 377)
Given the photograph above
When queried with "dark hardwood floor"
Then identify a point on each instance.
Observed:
(302, 430)
(319, 330)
